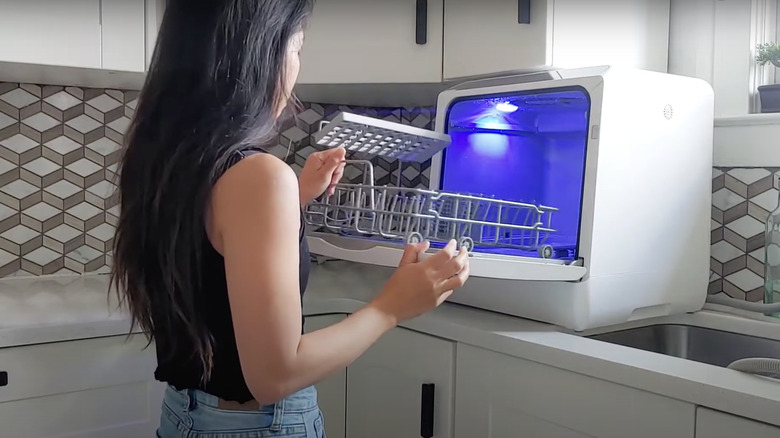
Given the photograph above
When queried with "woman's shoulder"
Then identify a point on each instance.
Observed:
(255, 172)
(244, 195)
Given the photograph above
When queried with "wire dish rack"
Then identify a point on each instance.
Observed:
(414, 215)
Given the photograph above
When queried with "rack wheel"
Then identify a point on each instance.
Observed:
(546, 251)
(414, 237)
(467, 242)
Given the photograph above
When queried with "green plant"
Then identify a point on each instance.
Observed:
(768, 53)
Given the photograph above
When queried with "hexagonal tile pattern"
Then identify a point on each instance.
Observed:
(59, 153)
(84, 173)
(63, 195)
(19, 149)
(6, 121)
(63, 151)
(85, 259)
(19, 98)
(103, 195)
(20, 240)
(84, 216)
(104, 108)
(41, 172)
(742, 199)
(63, 239)
(101, 237)
(58, 146)
(42, 217)
(42, 261)
(19, 195)
(62, 100)
(84, 129)
(104, 151)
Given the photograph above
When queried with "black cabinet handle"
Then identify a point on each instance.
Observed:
(524, 11)
(3, 378)
(426, 410)
(421, 27)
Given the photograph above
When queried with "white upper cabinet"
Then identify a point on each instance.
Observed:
(373, 41)
(155, 10)
(365, 42)
(484, 37)
(124, 35)
(94, 34)
(487, 37)
(61, 32)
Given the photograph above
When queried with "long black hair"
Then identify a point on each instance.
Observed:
(214, 86)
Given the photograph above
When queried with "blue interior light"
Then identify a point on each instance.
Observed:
(506, 107)
(535, 155)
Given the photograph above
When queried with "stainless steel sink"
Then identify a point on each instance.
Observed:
(714, 347)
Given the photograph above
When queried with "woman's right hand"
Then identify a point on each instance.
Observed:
(419, 286)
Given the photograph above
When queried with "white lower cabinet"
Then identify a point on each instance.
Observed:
(501, 396)
(714, 424)
(484, 394)
(331, 392)
(80, 389)
(401, 387)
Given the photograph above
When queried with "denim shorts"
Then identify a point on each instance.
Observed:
(190, 413)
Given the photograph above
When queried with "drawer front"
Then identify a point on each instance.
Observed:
(122, 411)
(63, 367)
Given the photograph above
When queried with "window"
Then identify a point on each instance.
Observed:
(716, 40)
(764, 29)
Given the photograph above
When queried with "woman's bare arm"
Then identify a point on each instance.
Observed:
(255, 220)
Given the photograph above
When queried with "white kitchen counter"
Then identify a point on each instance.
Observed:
(51, 310)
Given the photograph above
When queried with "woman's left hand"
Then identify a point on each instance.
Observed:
(321, 172)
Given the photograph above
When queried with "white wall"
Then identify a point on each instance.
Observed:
(711, 40)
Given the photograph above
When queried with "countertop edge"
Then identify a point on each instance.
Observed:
(64, 332)
(717, 388)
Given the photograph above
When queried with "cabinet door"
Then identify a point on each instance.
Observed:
(331, 392)
(155, 10)
(373, 41)
(512, 35)
(482, 38)
(61, 32)
(124, 35)
(385, 387)
(85, 389)
(714, 424)
(500, 396)
(634, 34)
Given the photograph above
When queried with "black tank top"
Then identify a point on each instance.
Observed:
(180, 368)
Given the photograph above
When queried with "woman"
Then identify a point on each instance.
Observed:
(209, 252)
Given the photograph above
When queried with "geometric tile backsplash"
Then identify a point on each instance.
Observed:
(742, 198)
(59, 148)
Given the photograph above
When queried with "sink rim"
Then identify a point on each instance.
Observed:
(692, 342)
